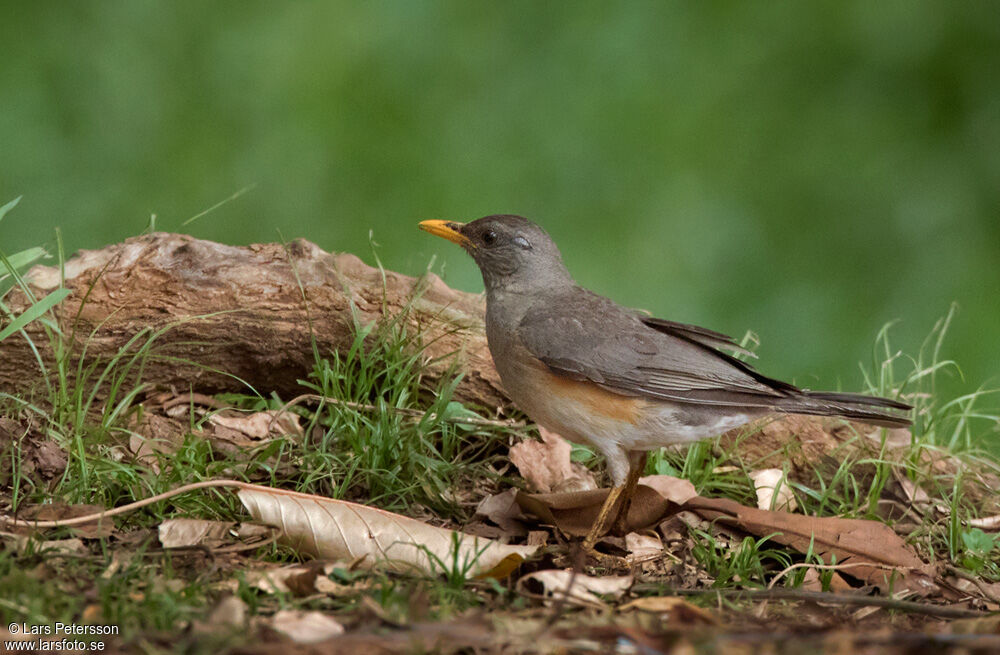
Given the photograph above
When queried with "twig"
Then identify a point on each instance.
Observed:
(90, 518)
(974, 580)
(405, 411)
(929, 609)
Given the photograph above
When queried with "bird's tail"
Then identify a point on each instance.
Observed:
(869, 409)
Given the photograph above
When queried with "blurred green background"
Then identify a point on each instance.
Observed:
(809, 171)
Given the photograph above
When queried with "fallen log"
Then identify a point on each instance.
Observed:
(234, 317)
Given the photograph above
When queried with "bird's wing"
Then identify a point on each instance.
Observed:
(696, 333)
(587, 337)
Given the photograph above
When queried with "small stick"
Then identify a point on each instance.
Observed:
(929, 609)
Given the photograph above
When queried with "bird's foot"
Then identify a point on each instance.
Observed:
(606, 560)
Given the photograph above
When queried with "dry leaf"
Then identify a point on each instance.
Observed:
(96, 529)
(676, 490)
(259, 425)
(871, 545)
(338, 530)
(306, 627)
(546, 467)
(673, 606)
(765, 482)
(642, 547)
(153, 435)
(301, 580)
(575, 512)
(503, 510)
(578, 589)
(180, 533)
(37, 452)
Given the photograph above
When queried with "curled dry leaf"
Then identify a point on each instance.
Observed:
(577, 589)
(546, 466)
(181, 533)
(220, 536)
(772, 490)
(259, 425)
(574, 512)
(338, 530)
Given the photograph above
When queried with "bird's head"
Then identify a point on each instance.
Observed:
(512, 253)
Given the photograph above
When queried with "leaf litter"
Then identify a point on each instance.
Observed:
(349, 538)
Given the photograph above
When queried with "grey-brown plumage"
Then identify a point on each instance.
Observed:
(584, 336)
(594, 371)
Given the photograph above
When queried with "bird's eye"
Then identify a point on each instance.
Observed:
(489, 237)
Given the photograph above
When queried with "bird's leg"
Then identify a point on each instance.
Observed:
(637, 464)
(599, 528)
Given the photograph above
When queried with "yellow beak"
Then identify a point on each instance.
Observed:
(446, 230)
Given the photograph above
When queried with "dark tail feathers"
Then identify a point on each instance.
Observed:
(869, 409)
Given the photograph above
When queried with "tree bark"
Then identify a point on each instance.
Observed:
(235, 317)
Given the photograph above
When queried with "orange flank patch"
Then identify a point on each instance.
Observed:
(596, 399)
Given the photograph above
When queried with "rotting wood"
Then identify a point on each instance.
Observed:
(244, 315)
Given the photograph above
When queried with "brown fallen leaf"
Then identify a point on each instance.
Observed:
(502, 509)
(153, 435)
(181, 533)
(546, 466)
(577, 589)
(338, 530)
(878, 556)
(258, 425)
(96, 529)
(37, 452)
(574, 512)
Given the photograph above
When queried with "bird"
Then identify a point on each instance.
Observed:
(614, 378)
